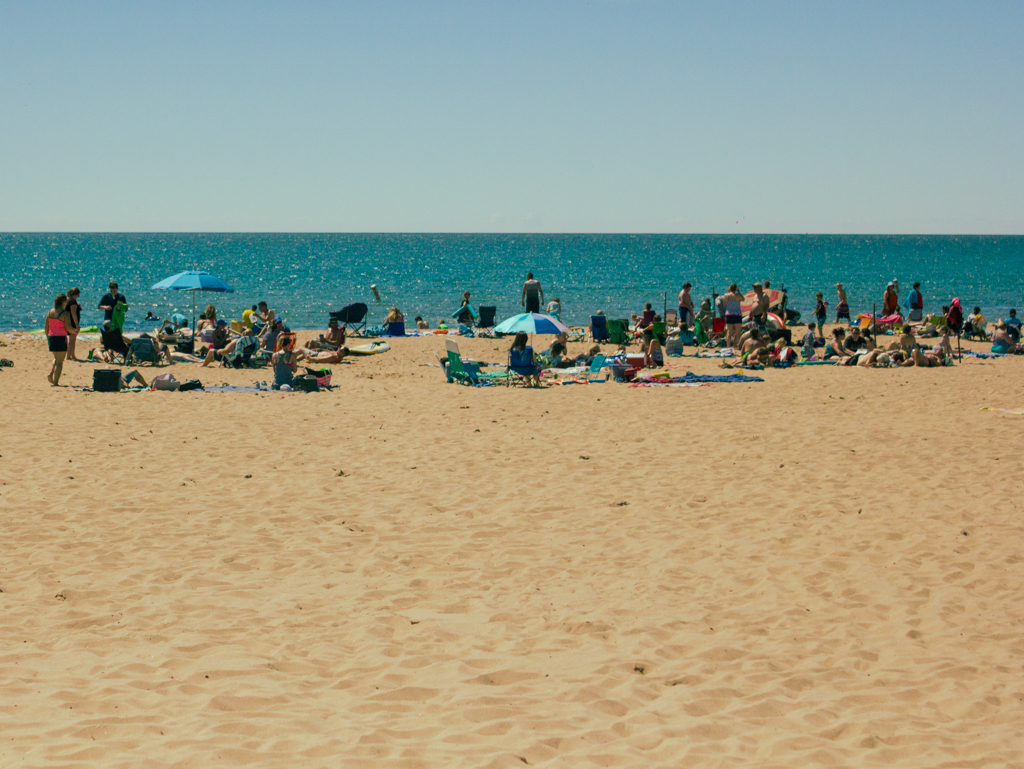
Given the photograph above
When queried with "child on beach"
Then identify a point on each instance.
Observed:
(820, 311)
(807, 343)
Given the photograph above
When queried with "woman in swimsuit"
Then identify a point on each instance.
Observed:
(75, 312)
(58, 326)
(733, 315)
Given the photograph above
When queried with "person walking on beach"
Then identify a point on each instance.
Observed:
(843, 308)
(75, 312)
(733, 300)
(890, 301)
(915, 303)
(111, 300)
(533, 294)
(686, 305)
(58, 326)
(820, 311)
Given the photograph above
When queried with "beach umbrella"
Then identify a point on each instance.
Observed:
(531, 323)
(193, 280)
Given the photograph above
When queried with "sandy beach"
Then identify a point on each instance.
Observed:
(823, 569)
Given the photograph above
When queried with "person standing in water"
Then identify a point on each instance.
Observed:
(533, 294)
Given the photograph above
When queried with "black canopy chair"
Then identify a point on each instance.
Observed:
(352, 317)
(486, 319)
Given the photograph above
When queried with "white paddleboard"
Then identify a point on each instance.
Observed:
(373, 348)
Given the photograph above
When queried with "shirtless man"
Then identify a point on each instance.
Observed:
(752, 350)
(686, 305)
(843, 308)
(759, 310)
(325, 356)
(531, 290)
(332, 340)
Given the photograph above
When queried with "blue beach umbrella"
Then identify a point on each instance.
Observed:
(193, 280)
(531, 323)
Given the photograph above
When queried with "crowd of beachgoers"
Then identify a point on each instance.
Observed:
(755, 327)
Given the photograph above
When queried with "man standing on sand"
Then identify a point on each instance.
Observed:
(843, 308)
(533, 294)
(686, 305)
(759, 311)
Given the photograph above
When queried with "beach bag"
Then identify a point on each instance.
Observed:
(187, 346)
(106, 380)
(191, 384)
(323, 376)
(165, 382)
(305, 384)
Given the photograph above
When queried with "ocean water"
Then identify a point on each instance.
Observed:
(303, 276)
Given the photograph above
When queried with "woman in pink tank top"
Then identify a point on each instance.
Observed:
(58, 324)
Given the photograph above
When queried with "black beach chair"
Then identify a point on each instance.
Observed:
(352, 317)
(486, 319)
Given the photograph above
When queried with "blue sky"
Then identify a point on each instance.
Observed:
(601, 116)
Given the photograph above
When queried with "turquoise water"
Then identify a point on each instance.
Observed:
(303, 276)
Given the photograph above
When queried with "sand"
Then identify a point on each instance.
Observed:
(821, 569)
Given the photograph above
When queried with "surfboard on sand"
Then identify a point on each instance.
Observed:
(373, 348)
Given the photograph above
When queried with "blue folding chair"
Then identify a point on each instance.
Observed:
(599, 328)
(521, 366)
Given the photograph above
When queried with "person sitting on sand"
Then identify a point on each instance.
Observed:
(284, 360)
(978, 326)
(834, 350)
(705, 316)
(421, 324)
(271, 334)
(208, 319)
(394, 316)
(752, 350)
(807, 344)
(1002, 344)
(782, 355)
(332, 340)
(854, 341)
(222, 344)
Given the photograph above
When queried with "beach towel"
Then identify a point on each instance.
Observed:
(690, 377)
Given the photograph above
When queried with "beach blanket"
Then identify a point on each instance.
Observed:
(657, 383)
(986, 354)
(725, 352)
(690, 377)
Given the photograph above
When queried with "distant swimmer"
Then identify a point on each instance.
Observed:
(376, 293)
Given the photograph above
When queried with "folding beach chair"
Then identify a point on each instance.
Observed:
(486, 319)
(352, 317)
(245, 348)
(142, 350)
(599, 328)
(462, 371)
(115, 346)
(618, 331)
(521, 366)
(595, 369)
(672, 317)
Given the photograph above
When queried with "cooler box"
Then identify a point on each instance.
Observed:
(106, 380)
(635, 360)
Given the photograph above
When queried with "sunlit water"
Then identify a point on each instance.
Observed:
(304, 276)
